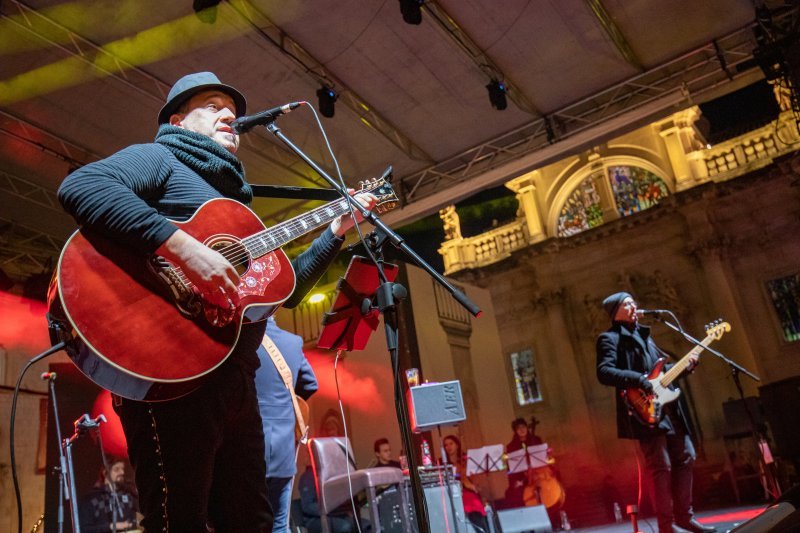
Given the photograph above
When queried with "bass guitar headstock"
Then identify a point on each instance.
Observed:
(717, 329)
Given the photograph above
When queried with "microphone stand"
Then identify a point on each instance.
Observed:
(62, 468)
(771, 485)
(387, 295)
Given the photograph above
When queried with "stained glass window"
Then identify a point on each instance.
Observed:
(635, 189)
(581, 211)
(785, 294)
(525, 379)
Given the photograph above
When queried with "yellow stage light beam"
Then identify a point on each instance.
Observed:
(175, 37)
(100, 19)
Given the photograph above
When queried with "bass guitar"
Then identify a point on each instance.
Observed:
(138, 326)
(648, 408)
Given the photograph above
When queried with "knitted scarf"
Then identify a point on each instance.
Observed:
(217, 166)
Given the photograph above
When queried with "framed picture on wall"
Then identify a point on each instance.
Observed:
(526, 381)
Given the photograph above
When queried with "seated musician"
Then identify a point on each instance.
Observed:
(473, 503)
(524, 436)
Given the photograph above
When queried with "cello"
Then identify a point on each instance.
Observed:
(542, 487)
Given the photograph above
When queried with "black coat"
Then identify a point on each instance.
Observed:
(622, 358)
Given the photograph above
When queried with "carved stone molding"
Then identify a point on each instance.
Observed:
(542, 300)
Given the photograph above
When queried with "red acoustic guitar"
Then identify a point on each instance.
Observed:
(140, 328)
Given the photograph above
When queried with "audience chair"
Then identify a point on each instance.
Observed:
(330, 468)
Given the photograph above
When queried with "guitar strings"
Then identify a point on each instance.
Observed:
(238, 253)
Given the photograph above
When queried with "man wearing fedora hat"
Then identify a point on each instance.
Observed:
(199, 459)
(625, 355)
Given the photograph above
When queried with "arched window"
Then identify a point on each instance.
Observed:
(635, 189)
(632, 188)
(581, 211)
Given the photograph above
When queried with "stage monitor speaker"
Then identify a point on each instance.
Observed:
(436, 404)
(521, 519)
(781, 517)
(781, 403)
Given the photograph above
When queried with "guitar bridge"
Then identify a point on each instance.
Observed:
(186, 300)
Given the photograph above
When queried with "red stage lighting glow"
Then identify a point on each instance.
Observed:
(358, 392)
(114, 441)
(23, 325)
(734, 516)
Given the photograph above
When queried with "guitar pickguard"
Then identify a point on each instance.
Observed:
(261, 272)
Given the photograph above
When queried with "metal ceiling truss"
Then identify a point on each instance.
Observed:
(466, 44)
(691, 74)
(26, 250)
(45, 141)
(130, 75)
(314, 68)
(27, 190)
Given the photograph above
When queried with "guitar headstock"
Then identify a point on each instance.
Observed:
(717, 329)
(382, 189)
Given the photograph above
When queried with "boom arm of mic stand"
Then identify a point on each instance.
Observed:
(373, 219)
(696, 342)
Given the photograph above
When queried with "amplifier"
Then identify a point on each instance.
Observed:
(436, 404)
(438, 503)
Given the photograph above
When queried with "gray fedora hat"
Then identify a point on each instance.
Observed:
(191, 84)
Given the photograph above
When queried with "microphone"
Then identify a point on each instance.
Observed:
(645, 312)
(244, 124)
(48, 376)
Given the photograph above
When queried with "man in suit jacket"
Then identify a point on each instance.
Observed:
(278, 418)
(625, 355)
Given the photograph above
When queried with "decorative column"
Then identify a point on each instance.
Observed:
(525, 187)
(456, 323)
(711, 249)
(680, 139)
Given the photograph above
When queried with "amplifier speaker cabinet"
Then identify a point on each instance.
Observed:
(438, 503)
(436, 404)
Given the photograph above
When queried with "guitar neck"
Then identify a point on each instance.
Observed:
(276, 236)
(673, 373)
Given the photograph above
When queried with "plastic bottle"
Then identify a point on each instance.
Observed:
(617, 513)
(426, 454)
(565, 521)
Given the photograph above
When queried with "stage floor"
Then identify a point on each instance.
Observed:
(723, 519)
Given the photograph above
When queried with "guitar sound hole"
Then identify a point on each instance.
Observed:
(235, 252)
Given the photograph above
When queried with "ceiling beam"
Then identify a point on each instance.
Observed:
(451, 29)
(313, 68)
(614, 33)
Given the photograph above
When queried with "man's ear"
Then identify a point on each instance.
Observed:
(176, 120)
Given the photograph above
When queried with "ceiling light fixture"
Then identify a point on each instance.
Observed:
(497, 94)
(326, 98)
(411, 11)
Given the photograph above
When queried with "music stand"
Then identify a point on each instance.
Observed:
(483, 461)
(353, 317)
(529, 457)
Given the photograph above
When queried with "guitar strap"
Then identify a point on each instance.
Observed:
(286, 375)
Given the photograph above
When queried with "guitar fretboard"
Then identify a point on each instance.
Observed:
(673, 373)
(273, 238)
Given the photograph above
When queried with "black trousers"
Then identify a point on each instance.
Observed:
(199, 459)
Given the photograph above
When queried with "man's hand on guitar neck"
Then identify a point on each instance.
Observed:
(341, 224)
(213, 275)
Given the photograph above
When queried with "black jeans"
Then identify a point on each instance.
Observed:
(669, 459)
(200, 459)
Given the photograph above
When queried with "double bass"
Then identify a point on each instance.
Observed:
(542, 487)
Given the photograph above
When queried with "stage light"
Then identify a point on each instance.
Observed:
(497, 94)
(411, 11)
(316, 298)
(326, 98)
(206, 10)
